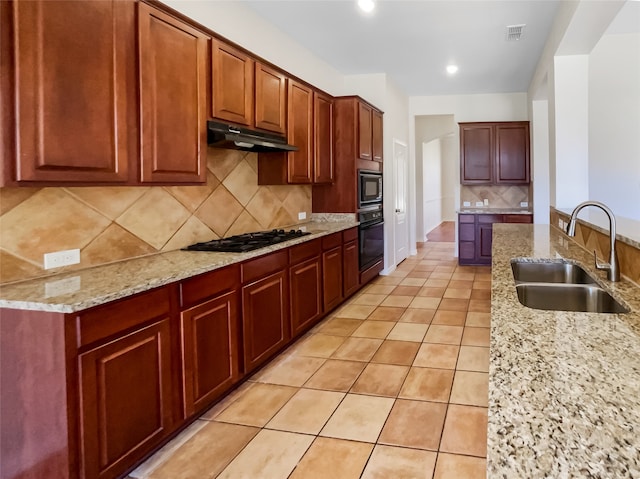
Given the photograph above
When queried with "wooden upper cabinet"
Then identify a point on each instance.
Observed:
(512, 153)
(75, 94)
(376, 135)
(494, 153)
(271, 99)
(364, 131)
(476, 153)
(173, 79)
(323, 166)
(232, 82)
(300, 133)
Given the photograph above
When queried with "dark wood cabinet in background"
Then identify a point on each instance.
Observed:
(265, 308)
(494, 153)
(376, 135)
(364, 131)
(173, 97)
(300, 134)
(332, 270)
(475, 235)
(75, 98)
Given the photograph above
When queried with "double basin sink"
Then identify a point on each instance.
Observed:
(561, 286)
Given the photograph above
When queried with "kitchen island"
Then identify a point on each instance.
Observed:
(564, 387)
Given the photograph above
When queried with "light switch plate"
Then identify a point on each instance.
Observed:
(486, 202)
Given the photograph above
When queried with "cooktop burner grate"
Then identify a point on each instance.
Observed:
(247, 241)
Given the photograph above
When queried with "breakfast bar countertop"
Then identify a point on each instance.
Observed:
(85, 288)
(564, 387)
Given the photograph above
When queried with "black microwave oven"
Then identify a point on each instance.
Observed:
(369, 188)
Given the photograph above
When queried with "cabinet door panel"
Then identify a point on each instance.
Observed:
(173, 80)
(305, 282)
(477, 152)
(483, 243)
(323, 171)
(512, 153)
(350, 272)
(299, 133)
(125, 391)
(75, 91)
(232, 83)
(210, 350)
(364, 131)
(264, 318)
(332, 277)
(376, 135)
(271, 99)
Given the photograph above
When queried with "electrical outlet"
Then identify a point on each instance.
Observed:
(61, 258)
(302, 215)
(486, 202)
(466, 203)
(524, 204)
(479, 204)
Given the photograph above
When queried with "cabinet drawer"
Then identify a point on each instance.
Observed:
(489, 218)
(467, 218)
(195, 290)
(467, 232)
(264, 265)
(331, 241)
(350, 235)
(517, 219)
(113, 318)
(303, 251)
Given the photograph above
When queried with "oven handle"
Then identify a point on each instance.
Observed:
(370, 225)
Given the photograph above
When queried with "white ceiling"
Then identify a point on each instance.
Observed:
(413, 41)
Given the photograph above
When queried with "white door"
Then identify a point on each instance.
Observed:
(400, 216)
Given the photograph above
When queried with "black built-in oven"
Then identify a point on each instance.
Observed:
(369, 189)
(371, 236)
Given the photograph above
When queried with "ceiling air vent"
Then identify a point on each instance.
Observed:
(514, 32)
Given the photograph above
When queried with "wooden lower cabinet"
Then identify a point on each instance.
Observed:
(264, 318)
(125, 399)
(475, 235)
(332, 277)
(210, 350)
(305, 283)
(350, 266)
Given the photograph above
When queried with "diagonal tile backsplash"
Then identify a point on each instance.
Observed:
(113, 223)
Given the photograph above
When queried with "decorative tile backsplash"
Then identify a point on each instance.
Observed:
(592, 240)
(499, 196)
(114, 223)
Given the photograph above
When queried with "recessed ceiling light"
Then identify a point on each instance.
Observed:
(366, 5)
(452, 69)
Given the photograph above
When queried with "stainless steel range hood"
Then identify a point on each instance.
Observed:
(223, 135)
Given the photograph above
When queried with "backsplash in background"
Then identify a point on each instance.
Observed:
(498, 196)
(114, 223)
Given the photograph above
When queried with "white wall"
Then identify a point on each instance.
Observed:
(614, 123)
(540, 167)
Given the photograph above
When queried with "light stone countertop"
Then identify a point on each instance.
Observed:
(564, 387)
(82, 289)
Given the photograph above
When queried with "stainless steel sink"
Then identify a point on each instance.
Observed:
(561, 272)
(568, 297)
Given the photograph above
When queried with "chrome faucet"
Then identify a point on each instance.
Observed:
(612, 267)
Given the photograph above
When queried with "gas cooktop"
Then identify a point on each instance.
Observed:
(247, 241)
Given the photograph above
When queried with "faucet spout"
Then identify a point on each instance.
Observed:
(612, 267)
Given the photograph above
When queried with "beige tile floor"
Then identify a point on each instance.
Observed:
(394, 384)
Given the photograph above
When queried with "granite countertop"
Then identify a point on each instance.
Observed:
(564, 387)
(82, 289)
(495, 211)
